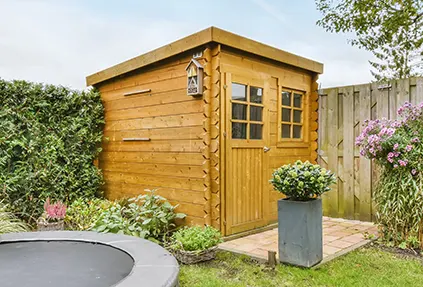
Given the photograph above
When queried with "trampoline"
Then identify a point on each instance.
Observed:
(79, 259)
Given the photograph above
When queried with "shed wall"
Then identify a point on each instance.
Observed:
(279, 76)
(172, 160)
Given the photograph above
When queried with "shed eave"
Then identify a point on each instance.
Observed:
(211, 34)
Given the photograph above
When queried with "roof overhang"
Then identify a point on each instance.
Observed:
(211, 34)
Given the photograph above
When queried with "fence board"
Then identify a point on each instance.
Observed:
(342, 112)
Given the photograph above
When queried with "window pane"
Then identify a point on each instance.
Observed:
(239, 131)
(286, 98)
(256, 95)
(286, 115)
(239, 112)
(297, 100)
(297, 116)
(256, 131)
(239, 92)
(256, 113)
(297, 132)
(286, 131)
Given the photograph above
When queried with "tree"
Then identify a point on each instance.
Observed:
(391, 29)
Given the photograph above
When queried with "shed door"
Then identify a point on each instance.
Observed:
(246, 146)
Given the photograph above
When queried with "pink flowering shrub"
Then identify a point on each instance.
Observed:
(395, 143)
(396, 146)
(54, 211)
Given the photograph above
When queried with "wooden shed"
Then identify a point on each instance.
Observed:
(205, 120)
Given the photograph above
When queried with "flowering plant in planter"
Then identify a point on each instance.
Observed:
(53, 216)
(302, 180)
(396, 147)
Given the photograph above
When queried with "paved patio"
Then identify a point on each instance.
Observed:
(340, 236)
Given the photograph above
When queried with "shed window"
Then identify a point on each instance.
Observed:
(247, 112)
(291, 114)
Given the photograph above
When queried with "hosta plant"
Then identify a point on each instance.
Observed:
(302, 180)
(397, 147)
(195, 238)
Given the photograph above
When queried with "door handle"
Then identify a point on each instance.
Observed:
(266, 149)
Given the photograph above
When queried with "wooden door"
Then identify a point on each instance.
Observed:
(247, 139)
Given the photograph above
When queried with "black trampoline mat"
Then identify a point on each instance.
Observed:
(62, 263)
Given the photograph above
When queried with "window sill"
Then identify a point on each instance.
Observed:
(292, 144)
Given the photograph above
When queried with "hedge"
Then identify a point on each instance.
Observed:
(49, 139)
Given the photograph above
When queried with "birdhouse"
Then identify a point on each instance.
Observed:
(194, 78)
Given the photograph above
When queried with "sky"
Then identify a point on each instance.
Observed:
(63, 41)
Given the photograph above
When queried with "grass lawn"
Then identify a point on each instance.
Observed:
(363, 267)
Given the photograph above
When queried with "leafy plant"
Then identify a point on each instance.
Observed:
(9, 223)
(49, 138)
(392, 30)
(302, 180)
(195, 238)
(397, 148)
(148, 215)
(82, 214)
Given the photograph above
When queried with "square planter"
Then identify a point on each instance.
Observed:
(300, 232)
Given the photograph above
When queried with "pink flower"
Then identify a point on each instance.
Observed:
(395, 165)
(408, 148)
(413, 171)
(55, 211)
(396, 146)
(403, 162)
(415, 140)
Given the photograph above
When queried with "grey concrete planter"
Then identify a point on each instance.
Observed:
(300, 232)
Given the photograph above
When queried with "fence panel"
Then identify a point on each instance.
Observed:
(342, 112)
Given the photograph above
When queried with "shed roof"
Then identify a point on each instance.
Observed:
(211, 34)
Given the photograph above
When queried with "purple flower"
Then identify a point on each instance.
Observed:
(396, 146)
(403, 162)
(408, 148)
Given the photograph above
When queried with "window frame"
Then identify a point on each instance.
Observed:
(293, 142)
(248, 104)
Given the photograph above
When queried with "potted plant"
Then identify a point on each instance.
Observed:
(53, 216)
(195, 244)
(300, 213)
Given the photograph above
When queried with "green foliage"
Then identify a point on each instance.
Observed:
(82, 214)
(302, 181)
(391, 29)
(146, 216)
(9, 223)
(49, 138)
(399, 204)
(195, 238)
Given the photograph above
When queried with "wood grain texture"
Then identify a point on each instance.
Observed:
(340, 121)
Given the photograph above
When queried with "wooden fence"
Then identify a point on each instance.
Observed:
(342, 111)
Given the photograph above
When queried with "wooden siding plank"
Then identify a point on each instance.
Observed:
(156, 122)
(177, 133)
(156, 146)
(153, 157)
(348, 152)
(365, 172)
(332, 196)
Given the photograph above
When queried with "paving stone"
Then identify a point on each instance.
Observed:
(329, 250)
(340, 244)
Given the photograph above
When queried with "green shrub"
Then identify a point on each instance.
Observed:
(82, 214)
(195, 238)
(147, 216)
(9, 223)
(302, 181)
(49, 138)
